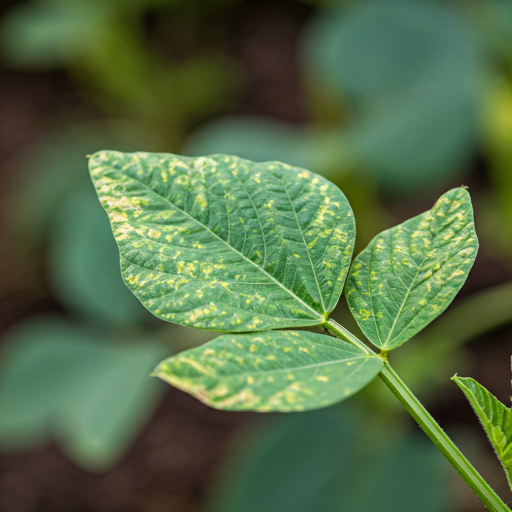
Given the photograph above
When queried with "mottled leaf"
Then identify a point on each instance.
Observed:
(495, 417)
(273, 371)
(226, 244)
(409, 274)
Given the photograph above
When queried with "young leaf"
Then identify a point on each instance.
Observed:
(409, 274)
(226, 244)
(272, 371)
(495, 417)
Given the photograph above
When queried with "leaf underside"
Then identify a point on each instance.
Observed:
(409, 274)
(271, 371)
(495, 418)
(226, 244)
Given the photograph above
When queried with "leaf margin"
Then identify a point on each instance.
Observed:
(487, 423)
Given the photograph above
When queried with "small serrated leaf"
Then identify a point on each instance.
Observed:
(226, 244)
(409, 274)
(271, 371)
(495, 418)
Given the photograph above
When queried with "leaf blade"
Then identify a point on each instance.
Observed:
(409, 274)
(271, 371)
(496, 420)
(205, 241)
(59, 382)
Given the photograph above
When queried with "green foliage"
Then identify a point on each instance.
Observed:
(103, 45)
(47, 33)
(84, 263)
(325, 461)
(495, 417)
(51, 170)
(411, 69)
(409, 274)
(225, 244)
(60, 381)
(397, 85)
(275, 371)
(65, 381)
(255, 138)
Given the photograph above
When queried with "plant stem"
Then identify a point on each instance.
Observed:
(344, 334)
(429, 425)
(444, 444)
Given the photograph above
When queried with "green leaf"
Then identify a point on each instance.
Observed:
(411, 70)
(84, 262)
(226, 244)
(256, 138)
(43, 36)
(495, 417)
(272, 371)
(59, 382)
(51, 168)
(409, 274)
(329, 461)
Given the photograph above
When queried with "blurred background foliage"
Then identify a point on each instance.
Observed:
(393, 100)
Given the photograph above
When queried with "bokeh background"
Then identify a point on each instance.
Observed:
(395, 101)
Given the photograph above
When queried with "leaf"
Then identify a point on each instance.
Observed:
(226, 244)
(51, 168)
(256, 138)
(411, 70)
(328, 461)
(84, 262)
(43, 36)
(272, 371)
(409, 274)
(59, 382)
(495, 417)
(49, 34)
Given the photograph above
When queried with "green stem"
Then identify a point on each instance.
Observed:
(429, 425)
(444, 444)
(344, 334)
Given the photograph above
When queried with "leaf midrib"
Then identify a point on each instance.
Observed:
(321, 317)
